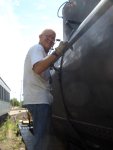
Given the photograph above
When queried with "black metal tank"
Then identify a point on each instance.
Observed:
(83, 86)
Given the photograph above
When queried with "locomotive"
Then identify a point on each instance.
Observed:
(4, 100)
(83, 79)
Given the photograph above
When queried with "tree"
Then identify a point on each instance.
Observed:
(14, 102)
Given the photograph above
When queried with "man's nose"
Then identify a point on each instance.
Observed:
(51, 40)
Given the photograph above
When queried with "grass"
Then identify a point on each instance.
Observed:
(6, 127)
(8, 135)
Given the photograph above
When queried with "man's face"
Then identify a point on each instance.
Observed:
(47, 40)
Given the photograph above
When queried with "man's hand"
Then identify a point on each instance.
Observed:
(62, 48)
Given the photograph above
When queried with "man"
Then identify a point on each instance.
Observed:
(36, 88)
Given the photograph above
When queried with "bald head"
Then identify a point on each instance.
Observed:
(47, 39)
(48, 32)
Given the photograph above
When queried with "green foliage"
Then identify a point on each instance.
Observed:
(5, 127)
(2, 132)
(14, 102)
(8, 135)
(21, 103)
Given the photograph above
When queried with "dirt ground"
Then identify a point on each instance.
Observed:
(13, 140)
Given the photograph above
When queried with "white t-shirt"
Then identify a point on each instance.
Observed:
(36, 88)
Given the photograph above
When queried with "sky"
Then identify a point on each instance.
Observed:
(21, 21)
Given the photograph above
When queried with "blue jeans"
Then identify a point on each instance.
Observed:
(41, 115)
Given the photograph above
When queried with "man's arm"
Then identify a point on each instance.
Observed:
(44, 64)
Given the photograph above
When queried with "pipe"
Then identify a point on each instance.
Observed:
(96, 13)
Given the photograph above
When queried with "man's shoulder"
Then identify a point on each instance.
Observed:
(36, 47)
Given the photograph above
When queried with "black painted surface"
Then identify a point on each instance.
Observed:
(83, 90)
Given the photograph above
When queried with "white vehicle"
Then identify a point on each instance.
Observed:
(4, 99)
